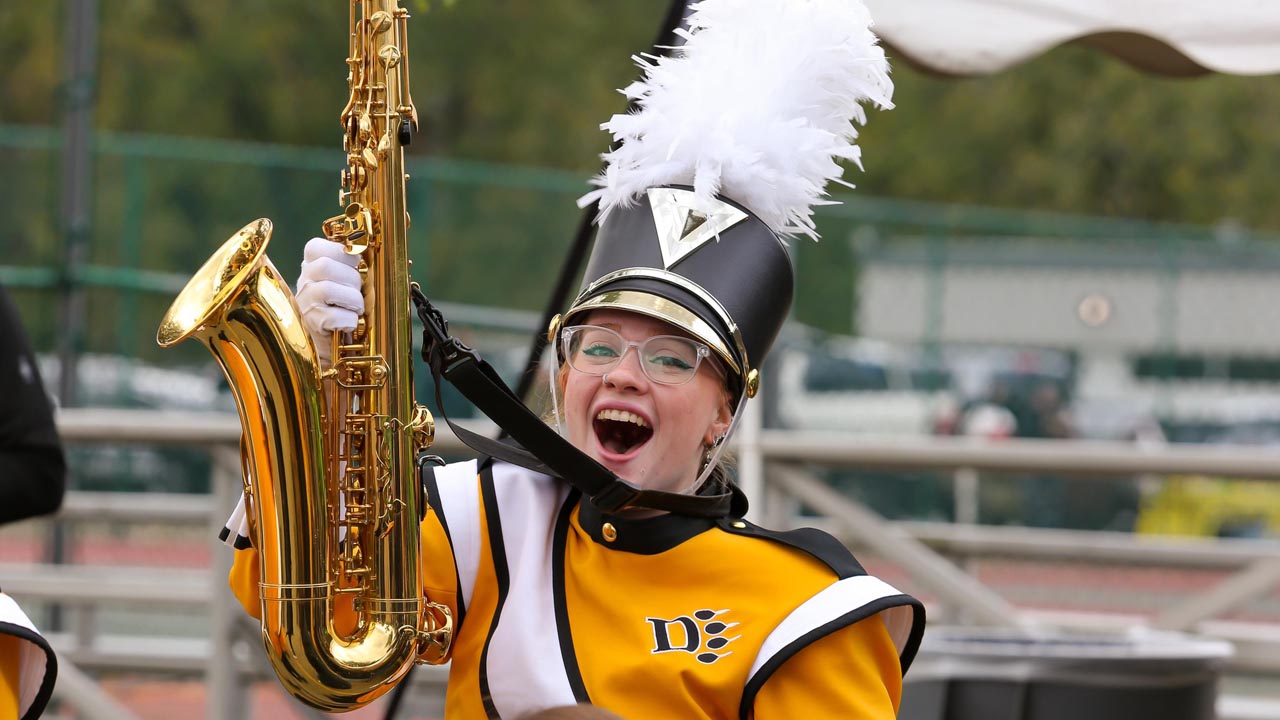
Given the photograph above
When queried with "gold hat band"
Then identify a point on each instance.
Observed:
(661, 309)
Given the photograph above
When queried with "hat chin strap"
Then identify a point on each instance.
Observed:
(716, 450)
(553, 371)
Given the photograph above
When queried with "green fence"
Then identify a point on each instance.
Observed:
(483, 236)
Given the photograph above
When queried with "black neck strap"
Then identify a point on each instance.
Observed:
(539, 447)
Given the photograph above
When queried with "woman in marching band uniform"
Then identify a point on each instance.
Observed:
(674, 606)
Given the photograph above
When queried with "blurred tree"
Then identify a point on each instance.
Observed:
(528, 84)
(1077, 131)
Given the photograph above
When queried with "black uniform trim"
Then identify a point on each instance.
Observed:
(241, 543)
(563, 628)
(642, 536)
(822, 546)
(489, 497)
(862, 613)
(50, 667)
(908, 654)
(432, 487)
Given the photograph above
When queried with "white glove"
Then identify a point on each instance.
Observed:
(328, 293)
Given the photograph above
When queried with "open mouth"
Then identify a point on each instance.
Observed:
(621, 432)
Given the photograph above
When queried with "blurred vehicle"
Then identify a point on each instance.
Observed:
(1205, 506)
(1211, 507)
(846, 384)
(825, 382)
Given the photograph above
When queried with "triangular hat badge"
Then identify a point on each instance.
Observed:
(686, 222)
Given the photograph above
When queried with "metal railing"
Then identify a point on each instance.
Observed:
(773, 465)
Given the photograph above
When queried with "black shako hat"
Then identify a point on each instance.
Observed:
(735, 136)
(707, 266)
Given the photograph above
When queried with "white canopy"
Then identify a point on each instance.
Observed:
(1169, 37)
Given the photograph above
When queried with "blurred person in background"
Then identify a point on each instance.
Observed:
(32, 481)
(1044, 497)
(669, 604)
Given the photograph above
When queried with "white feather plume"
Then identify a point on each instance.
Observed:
(757, 106)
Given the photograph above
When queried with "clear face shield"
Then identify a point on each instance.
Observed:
(664, 359)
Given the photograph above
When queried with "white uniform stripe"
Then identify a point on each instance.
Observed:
(838, 599)
(460, 505)
(31, 666)
(524, 650)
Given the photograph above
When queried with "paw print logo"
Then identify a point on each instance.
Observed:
(701, 634)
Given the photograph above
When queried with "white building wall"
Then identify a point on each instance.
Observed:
(1193, 311)
(1228, 313)
(1042, 307)
(893, 303)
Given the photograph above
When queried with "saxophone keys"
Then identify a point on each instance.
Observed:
(408, 124)
(389, 55)
(354, 179)
(380, 21)
(422, 428)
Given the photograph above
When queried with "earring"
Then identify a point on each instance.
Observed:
(708, 451)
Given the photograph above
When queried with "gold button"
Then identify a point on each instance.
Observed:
(609, 531)
(738, 524)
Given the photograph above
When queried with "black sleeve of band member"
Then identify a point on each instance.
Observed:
(869, 610)
(50, 667)
(32, 464)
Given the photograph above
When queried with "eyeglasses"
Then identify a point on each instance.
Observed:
(665, 359)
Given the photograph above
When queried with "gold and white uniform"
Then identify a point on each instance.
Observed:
(664, 617)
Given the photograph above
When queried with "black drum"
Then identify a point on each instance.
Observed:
(997, 675)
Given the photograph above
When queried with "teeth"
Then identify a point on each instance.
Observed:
(622, 416)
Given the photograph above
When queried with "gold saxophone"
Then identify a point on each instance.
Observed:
(328, 455)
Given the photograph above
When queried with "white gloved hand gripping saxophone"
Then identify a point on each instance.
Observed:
(328, 293)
